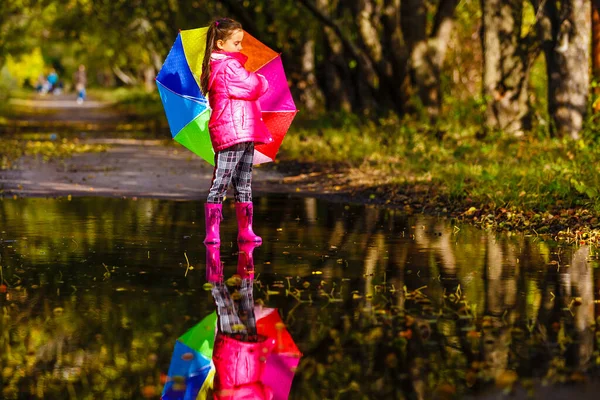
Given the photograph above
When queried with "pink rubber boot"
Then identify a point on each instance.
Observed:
(214, 268)
(245, 266)
(244, 212)
(213, 216)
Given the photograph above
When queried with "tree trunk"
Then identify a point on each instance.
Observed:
(596, 48)
(566, 43)
(397, 56)
(311, 95)
(428, 50)
(149, 76)
(390, 39)
(505, 67)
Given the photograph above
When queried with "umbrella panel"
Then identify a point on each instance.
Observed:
(278, 124)
(188, 371)
(194, 46)
(195, 137)
(258, 53)
(201, 337)
(279, 374)
(273, 327)
(180, 110)
(278, 97)
(175, 73)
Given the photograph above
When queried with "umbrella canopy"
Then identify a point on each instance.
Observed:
(277, 105)
(191, 362)
(191, 369)
(283, 361)
(178, 84)
(187, 109)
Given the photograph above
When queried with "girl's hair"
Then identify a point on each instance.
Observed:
(219, 29)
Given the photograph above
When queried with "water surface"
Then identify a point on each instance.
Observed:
(383, 305)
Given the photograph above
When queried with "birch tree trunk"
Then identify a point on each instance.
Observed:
(505, 67)
(565, 36)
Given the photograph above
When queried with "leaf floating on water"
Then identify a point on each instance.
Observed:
(187, 356)
(470, 211)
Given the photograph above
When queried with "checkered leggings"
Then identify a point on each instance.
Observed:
(234, 164)
(236, 311)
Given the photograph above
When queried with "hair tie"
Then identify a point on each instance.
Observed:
(216, 23)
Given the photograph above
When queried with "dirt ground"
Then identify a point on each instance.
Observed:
(130, 167)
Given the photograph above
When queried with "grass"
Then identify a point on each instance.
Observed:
(12, 149)
(537, 177)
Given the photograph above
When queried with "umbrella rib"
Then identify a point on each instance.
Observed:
(198, 99)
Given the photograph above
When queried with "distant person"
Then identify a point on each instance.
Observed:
(52, 80)
(235, 125)
(40, 84)
(80, 81)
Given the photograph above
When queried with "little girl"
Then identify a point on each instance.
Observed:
(235, 125)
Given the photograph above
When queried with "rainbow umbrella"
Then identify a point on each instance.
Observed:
(178, 84)
(187, 109)
(191, 371)
(277, 105)
(283, 361)
(191, 365)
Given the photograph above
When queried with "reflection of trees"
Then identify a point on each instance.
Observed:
(404, 307)
(96, 344)
(480, 320)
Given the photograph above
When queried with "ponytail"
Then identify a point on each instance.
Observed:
(219, 29)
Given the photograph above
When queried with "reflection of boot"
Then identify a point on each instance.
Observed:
(212, 215)
(245, 266)
(244, 212)
(214, 268)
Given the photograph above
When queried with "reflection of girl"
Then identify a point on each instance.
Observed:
(239, 353)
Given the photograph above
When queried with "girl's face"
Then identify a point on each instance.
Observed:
(233, 43)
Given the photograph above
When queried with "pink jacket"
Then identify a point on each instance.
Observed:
(239, 367)
(233, 94)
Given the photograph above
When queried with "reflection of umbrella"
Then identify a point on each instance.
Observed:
(283, 361)
(191, 366)
(187, 109)
(191, 361)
